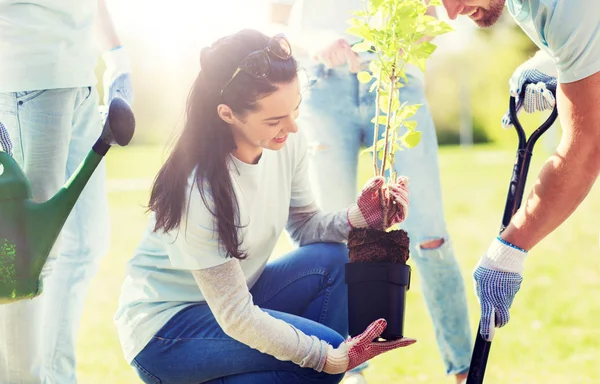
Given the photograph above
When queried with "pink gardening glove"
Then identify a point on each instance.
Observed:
(355, 351)
(367, 211)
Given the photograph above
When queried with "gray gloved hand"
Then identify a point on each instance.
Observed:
(533, 84)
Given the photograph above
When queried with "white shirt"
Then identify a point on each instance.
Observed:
(159, 280)
(47, 44)
(567, 30)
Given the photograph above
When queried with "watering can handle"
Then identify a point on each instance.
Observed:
(13, 182)
(11, 168)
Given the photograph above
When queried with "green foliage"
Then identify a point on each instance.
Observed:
(396, 31)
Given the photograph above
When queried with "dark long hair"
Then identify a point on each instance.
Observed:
(206, 141)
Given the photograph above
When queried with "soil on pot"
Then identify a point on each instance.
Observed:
(372, 245)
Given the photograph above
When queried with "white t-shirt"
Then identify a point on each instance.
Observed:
(568, 30)
(159, 281)
(47, 44)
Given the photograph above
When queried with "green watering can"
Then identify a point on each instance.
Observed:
(28, 230)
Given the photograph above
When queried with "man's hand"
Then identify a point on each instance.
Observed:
(497, 279)
(117, 76)
(533, 84)
(338, 53)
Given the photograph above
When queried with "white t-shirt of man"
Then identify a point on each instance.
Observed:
(567, 30)
(47, 44)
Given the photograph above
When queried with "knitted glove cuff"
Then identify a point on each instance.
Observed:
(356, 218)
(337, 360)
(503, 256)
(542, 62)
(117, 62)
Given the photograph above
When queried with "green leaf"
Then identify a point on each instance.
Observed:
(422, 50)
(435, 3)
(431, 26)
(363, 46)
(376, 3)
(355, 22)
(384, 103)
(408, 111)
(411, 139)
(411, 125)
(370, 150)
(420, 63)
(374, 66)
(382, 120)
(355, 31)
(364, 77)
(374, 85)
(360, 13)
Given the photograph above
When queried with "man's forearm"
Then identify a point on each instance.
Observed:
(106, 34)
(569, 174)
(555, 196)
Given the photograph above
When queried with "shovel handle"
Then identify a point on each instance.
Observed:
(482, 347)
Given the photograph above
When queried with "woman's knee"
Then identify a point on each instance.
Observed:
(334, 254)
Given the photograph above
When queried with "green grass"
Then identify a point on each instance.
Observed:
(552, 337)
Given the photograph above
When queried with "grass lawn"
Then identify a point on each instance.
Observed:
(553, 336)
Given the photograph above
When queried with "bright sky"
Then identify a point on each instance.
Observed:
(174, 24)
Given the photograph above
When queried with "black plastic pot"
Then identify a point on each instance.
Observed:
(377, 290)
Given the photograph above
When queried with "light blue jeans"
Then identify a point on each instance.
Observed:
(304, 288)
(336, 115)
(52, 131)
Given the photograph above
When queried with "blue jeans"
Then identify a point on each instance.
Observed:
(52, 131)
(336, 115)
(304, 288)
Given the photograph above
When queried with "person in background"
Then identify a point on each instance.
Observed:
(49, 106)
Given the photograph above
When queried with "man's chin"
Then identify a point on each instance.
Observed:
(487, 22)
(489, 17)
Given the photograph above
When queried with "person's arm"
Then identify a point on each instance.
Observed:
(308, 224)
(573, 41)
(225, 290)
(106, 34)
(194, 246)
(117, 76)
(569, 174)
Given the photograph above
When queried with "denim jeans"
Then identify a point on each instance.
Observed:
(304, 288)
(336, 115)
(52, 131)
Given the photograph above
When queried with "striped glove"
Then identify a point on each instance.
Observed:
(355, 351)
(533, 84)
(367, 212)
(117, 76)
(5, 143)
(497, 279)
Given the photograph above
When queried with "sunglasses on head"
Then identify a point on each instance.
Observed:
(258, 64)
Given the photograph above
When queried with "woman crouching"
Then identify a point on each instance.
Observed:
(200, 303)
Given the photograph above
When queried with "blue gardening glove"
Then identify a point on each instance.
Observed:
(497, 279)
(117, 76)
(533, 84)
(5, 143)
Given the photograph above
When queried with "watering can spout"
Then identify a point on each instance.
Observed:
(28, 230)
